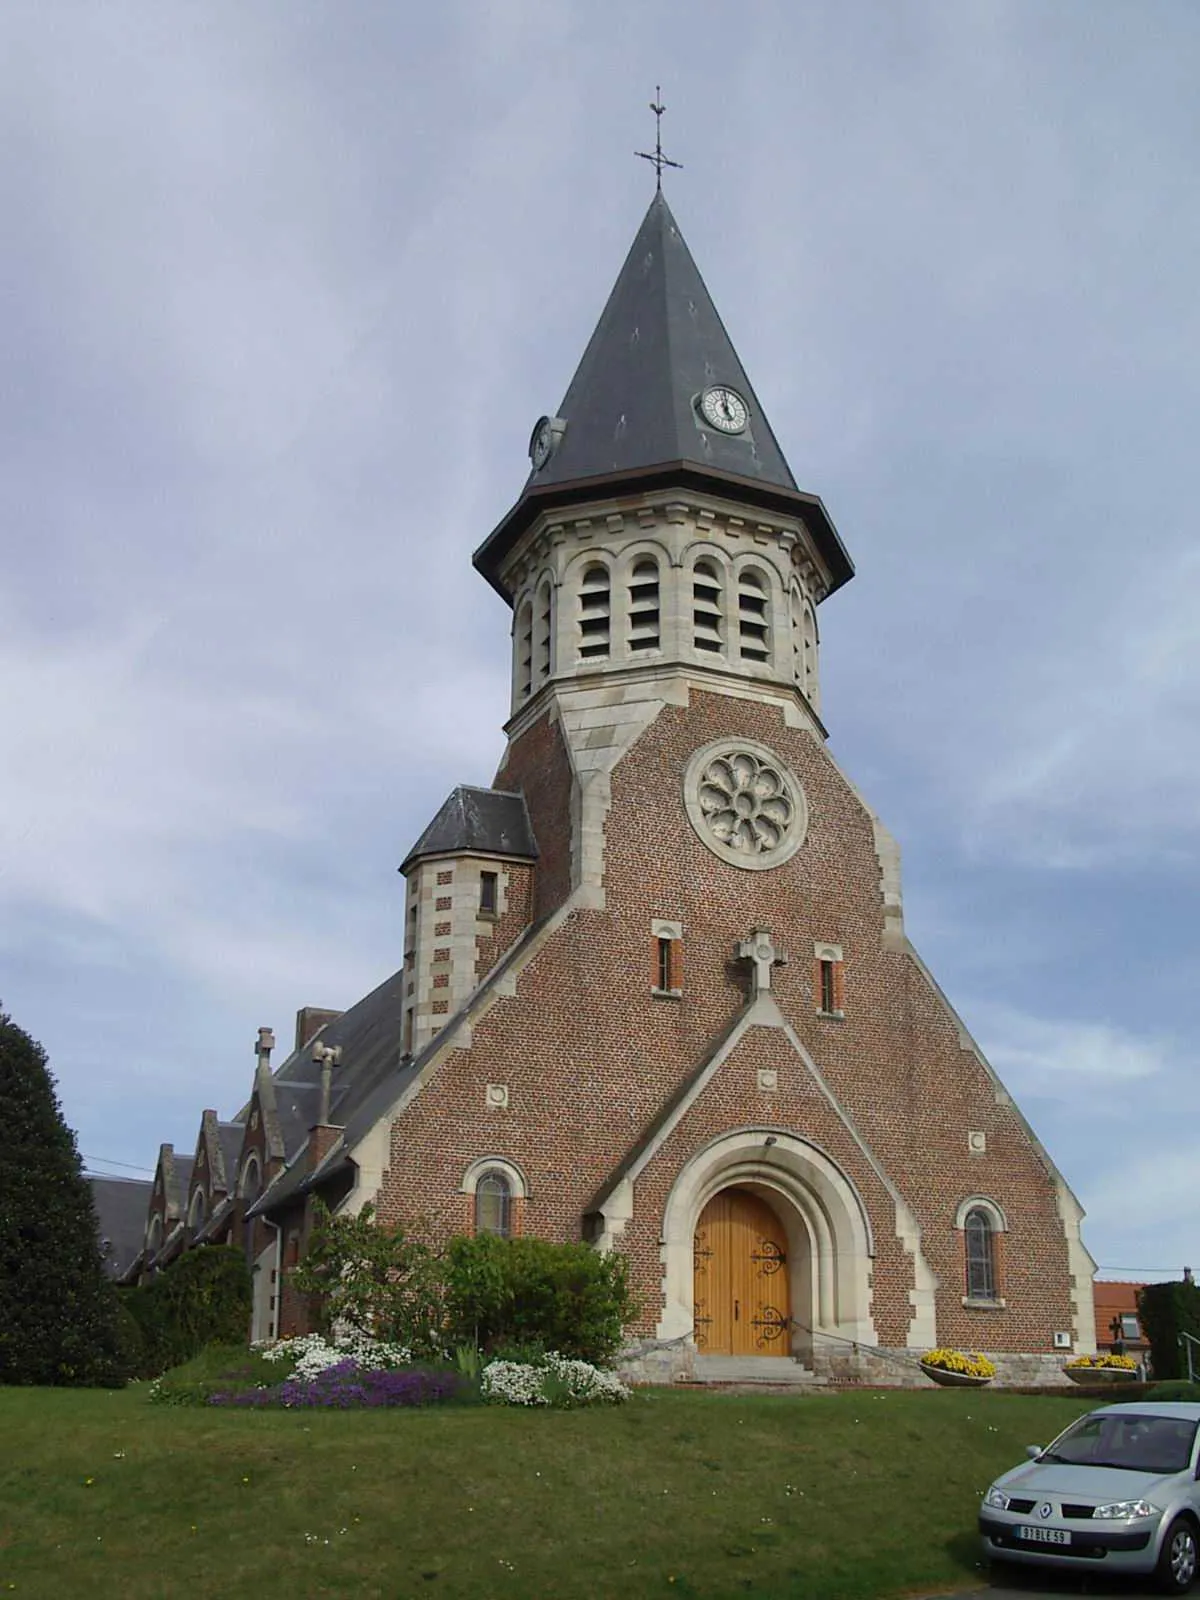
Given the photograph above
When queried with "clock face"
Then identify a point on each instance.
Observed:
(724, 409)
(541, 443)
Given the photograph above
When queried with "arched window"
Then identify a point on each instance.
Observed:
(543, 634)
(595, 621)
(708, 618)
(154, 1234)
(524, 651)
(197, 1210)
(251, 1185)
(752, 616)
(493, 1204)
(980, 1238)
(643, 605)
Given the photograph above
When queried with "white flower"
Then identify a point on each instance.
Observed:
(517, 1383)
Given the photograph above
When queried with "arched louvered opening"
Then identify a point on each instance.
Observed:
(809, 628)
(595, 613)
(523, 645)
(543, 634)
(796, 612)
(197, 1211)
(708, 612)
(753, 635)
(643, 605)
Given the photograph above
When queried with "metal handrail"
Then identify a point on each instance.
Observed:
(1187, 1340)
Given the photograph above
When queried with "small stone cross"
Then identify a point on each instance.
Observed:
(760, 949)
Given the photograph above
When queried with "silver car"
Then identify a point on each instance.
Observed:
(1117, 1491)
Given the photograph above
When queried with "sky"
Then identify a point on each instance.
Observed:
(283, 289)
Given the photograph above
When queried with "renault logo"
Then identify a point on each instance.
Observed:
(1045, 1509)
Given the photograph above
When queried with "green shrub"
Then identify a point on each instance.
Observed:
(202, 1298)
(1175, 1389)
(501, 1293)
(1165, 1311)
(382, 1282)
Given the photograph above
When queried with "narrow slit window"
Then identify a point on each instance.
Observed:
(595, 614)
(828, 987)
(525, 651)
(707, 617)
(981, 1256)
(663, 964)
(643, 606)
(752, 616)
(487, 892)
(408, 1031)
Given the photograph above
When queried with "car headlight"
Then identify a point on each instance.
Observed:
(997, 1498)
(1125, 1511)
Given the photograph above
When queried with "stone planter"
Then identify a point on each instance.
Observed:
(953, 1380)
(1101, 1374)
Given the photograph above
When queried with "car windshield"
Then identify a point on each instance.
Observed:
(1126, 1439)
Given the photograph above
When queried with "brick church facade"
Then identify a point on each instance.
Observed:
(656, 990)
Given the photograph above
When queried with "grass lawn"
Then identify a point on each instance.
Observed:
(840, 1497)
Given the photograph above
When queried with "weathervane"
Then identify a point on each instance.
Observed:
(660, 161)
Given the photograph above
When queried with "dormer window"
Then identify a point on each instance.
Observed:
(708, 622)
(643, 606)
(595, 613)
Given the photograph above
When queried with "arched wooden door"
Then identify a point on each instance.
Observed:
(741, 1278)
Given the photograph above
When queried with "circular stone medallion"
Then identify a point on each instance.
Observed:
(744, 804)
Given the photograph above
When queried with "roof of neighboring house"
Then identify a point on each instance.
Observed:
(121, 1206)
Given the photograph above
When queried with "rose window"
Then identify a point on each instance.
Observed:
(745, 804)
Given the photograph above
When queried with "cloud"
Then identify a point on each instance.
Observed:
(1054, 1058)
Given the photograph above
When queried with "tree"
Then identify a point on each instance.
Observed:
(58, 1314)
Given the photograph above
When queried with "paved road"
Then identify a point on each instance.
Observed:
(1033, 1585)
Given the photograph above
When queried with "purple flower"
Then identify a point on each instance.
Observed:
(346, 1386)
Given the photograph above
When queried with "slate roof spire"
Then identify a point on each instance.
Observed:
(658, 346)
(632, 417)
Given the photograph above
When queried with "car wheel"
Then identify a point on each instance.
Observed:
(1178, 1558)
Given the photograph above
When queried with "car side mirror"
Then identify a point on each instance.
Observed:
(1033, 1451)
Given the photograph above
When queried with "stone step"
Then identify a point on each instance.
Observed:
(754, 1369)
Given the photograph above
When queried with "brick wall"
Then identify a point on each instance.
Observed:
(590, 1057)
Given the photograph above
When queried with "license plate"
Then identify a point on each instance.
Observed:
(1044, 1535)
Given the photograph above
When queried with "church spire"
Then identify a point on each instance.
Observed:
(638, 397)
(659, 399)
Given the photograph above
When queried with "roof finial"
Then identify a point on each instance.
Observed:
(660, 161)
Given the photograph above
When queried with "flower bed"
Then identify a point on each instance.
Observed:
(350, 1371)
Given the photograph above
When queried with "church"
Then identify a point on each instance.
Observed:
(655, 990)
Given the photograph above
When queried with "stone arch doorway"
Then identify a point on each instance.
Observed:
(826, 1232)
(741, 1273)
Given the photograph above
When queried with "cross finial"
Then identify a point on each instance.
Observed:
(660, 161)
(760, 948)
